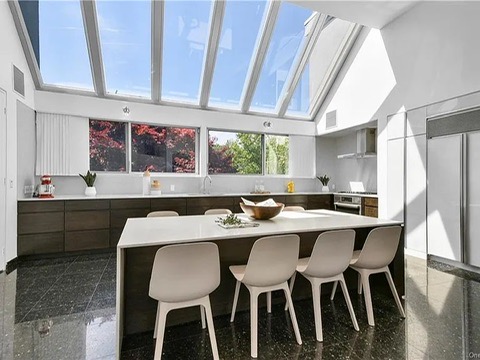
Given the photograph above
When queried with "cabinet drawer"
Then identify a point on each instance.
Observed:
(371, 211)
(130, 204)
(320, 202)
(87, 220)
(87, 240)
(40, 206)
(210, 202)
(178, 205)
(118, 218)
(40, 223)
(115, 236)
(40, 244)
(371, 201)
(87, 205)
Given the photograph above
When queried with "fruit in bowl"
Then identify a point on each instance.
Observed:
(262, 212)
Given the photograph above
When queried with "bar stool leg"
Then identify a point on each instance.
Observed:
(349, 304)
(359, 287)
(253, 322)
(160, 330)
(316, 309)
(334, 290)
(292, 282)
(269, 302)
(211, 328)
(235, 300)
(156, 321)
(292, 313)
(368, 298)
(394, 292)
(202, 316)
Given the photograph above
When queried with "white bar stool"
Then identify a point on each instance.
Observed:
(271, 263)
(184, 276)
(218, 212)
(164, 213)
(293, 208)
(330, 258)
(377, 252)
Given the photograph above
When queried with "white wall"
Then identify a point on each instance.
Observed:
(11, 53)
(427, 55)
(342, 171)
(25, 150)
(90, 107)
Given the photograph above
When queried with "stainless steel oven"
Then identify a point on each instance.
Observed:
(348, 204)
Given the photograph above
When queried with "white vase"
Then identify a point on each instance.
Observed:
(325, 188)
(90, 191)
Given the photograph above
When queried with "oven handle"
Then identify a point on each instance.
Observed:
(348, 206)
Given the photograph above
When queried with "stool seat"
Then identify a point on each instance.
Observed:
(355, 256)
(302, 264)
(238, 271)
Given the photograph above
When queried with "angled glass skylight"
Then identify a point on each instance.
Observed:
(328, 47)
(287, 39)
(63, 51)
(125, 39)
(185, 39)
(241, 24)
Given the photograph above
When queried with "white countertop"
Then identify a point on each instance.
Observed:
(166, 195)
(139, 232)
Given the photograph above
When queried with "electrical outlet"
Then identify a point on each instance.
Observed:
(172, 187)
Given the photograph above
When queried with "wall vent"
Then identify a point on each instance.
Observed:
(18, 81)
(331, 119)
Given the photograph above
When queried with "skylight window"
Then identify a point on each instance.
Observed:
(326, 51)
(185, 39)
(125, 38)
(241, 24)
(287, 39)
(64, 57)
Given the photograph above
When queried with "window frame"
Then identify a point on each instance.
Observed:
(264, 153)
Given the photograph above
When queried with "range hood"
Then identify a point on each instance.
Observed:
(366, 145)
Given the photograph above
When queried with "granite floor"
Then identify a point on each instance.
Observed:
(65, 309)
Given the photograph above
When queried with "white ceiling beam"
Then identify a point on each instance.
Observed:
(26, 43)
(335, 68)
(90, 22)
(300, 62)
(158, 13)
(259, 55)
(218, 13)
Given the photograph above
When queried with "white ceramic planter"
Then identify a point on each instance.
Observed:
(325, 188)
(90, 191)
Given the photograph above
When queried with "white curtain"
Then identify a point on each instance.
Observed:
(62, 144)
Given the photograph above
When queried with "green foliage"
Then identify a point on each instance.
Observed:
(89, 178)
(247, 153)
(324, 180)
(277, 155)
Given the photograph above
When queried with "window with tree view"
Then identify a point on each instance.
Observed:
(107, 146)
(242, 153)
(163, 149)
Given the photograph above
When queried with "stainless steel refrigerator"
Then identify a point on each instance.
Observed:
(453, 192)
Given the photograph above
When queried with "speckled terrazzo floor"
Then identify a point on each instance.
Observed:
(65, 309)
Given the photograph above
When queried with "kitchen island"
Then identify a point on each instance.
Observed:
(142, 237)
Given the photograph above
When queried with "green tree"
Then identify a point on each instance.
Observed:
(247, 153)
(277, 148)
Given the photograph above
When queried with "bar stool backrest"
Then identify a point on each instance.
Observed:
(331, 254)
(379, 248)
(164, 213)
(218, 212)
(185, 272)
(293, 208)
(272, 260)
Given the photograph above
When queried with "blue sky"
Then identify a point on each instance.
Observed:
(125, 36)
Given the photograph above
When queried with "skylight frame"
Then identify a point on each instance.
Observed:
(259, 55)
(158, 14)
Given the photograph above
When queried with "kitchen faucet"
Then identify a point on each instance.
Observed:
(205, 190)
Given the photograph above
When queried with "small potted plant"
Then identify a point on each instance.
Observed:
(89, 179)
(324, 180)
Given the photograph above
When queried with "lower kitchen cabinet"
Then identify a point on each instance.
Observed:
(370, 207)
(57, 226)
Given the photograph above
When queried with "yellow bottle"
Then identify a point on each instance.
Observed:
(290, 186)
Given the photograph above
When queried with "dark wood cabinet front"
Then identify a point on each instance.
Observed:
(56, 226)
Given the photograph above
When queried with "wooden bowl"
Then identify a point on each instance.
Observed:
(262, 212)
